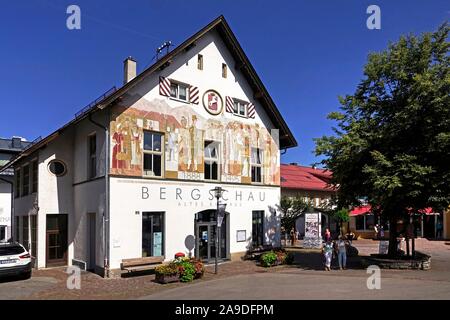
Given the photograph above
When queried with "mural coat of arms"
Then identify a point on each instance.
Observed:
(212, 102)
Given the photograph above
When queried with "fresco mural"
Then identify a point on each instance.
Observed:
(185, 132)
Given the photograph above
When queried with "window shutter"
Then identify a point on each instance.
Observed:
(251, 110)
(229, 105)
(164, 86)
(193, 94)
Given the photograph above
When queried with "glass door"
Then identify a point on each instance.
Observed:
(152, 234)
(56, 243)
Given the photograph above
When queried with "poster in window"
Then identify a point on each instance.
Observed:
(157, 244)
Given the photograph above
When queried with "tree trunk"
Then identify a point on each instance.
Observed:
(392, 251)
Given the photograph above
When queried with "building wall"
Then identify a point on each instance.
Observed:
(126, 216)
(187, 125)
(5, 206)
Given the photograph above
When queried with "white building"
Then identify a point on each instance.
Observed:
(8, 149)
(131, 175)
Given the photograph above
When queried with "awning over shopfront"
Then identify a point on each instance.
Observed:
(367, 209)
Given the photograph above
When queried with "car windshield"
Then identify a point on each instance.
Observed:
(10, 250)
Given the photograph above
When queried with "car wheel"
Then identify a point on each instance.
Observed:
(26, 275)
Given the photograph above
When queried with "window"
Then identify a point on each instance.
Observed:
(224, 70)
(179, 91)
(256, 164)
(257, 228)
(34, 176)
(200, 62)
(211, 160)
(17, 235)
(25, 237)
(17, 182)
(240, 107)
(3, 233)
(92, 158)
(152, 234)
(153, 154)
(26, 180)
(365, 222)
(57, 167)
(33, 235)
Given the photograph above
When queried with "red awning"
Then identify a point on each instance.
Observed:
(367, 209)
(360, 210)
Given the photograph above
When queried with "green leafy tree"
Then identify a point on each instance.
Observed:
(341, 216)
(392, 141)
(291, 209)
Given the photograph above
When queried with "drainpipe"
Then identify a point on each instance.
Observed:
(106, 260)
(12, 206)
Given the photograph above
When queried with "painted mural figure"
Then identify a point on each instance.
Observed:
(184, 134)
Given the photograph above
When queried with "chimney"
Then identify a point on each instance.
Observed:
(16, 142)
(293, 164)
(129, 70)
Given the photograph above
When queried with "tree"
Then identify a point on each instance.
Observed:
(392, 141)
(291, 209)
(341, 215)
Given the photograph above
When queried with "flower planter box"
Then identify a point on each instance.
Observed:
(162, 278)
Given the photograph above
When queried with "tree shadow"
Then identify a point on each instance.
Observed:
(313, 260)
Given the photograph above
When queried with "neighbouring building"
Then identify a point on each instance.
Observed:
(8, 149)
(311, 184)
(131, 175)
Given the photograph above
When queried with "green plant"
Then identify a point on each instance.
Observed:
(268, 259)
(199, 267)
(288, 258)
(187, 271)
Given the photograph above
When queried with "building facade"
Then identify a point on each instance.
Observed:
(132, 175)
(311, 184)
(8, 149)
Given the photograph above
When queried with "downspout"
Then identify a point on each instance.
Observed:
(12, 206)
(106, 231)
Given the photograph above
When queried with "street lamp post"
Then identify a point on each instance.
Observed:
(220, 213)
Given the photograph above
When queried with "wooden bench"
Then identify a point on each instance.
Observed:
(141, 264)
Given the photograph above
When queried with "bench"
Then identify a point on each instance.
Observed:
(141, 264)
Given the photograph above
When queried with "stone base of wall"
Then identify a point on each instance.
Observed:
(237, 256)
(421, 262)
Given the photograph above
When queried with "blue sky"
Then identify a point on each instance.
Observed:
(306, 52)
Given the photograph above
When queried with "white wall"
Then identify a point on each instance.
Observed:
(127, 205)
(5, 207)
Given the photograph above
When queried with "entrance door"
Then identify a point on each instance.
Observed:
(92, 241)
(257, 228)
(56, 240)
(205, 235)
(152, 234)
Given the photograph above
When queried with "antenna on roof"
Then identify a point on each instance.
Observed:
(166, 46)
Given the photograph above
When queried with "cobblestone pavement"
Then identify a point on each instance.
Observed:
(238, 280)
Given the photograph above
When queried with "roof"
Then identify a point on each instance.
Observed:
(287, 139)
(6, 145)
(305, 178)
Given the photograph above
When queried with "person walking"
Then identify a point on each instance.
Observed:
(341, 253)
(439, 228)
(292, 237)
(327, 251)
(327, 235)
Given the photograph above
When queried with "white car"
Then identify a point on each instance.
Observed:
(14, 260)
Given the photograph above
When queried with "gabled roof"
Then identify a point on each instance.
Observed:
(305, 178)
(287, 139)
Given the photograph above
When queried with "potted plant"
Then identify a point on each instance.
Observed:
(199, 268)
(167, 273)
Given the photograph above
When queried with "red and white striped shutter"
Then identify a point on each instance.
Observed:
(229, 106)
(193, 94)
(164, 86)
(251, 110)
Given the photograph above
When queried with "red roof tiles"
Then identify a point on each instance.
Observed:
(305, 178)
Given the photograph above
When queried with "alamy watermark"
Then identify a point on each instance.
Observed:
(374, 280)
(374, 20)
(73, 21)
(74, 278)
